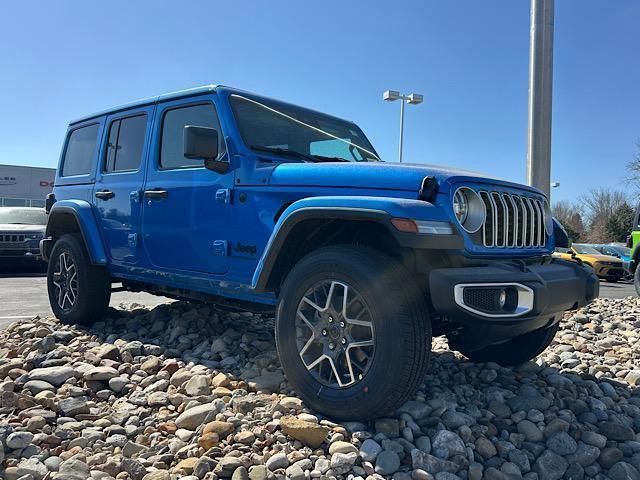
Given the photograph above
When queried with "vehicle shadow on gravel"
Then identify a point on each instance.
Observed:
(555, 418)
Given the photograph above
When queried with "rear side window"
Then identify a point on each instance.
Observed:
(125, 144)
(79, 154)
(173, 123)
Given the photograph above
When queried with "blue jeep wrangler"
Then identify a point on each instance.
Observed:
(219, 195)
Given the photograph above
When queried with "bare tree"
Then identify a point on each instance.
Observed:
(570, 216)
(600, 205)
(633, 167)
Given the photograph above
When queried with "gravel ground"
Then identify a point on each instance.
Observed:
(190, 392)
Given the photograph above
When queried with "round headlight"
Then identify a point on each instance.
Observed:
(469, 209)
(460, 206)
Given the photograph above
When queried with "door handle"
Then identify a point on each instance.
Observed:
(156, 193)
(105, 194)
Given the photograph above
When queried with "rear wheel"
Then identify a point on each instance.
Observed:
(79, 292)
(517, 350)
(352, 332)
(636, 280)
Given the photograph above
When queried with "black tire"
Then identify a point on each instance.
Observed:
(92, 284)
(517, 350)
(401, 332)
(636, 280)
(612, 279)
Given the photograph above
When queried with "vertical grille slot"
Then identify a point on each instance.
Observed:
(488, 227)
(13, 238)
(513, 221)
(501, 219)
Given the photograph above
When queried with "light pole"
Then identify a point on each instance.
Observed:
(412, 99)
(540, 95)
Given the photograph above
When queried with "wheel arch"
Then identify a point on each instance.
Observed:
(319, 221)
(74, 216)
(308, 231)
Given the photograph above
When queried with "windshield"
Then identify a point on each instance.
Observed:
(585, 249)
(622, 251)
(24, 216)
(294, 131)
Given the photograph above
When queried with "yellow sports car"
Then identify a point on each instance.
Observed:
(604, 266)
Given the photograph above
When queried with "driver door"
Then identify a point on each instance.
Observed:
(184, 221)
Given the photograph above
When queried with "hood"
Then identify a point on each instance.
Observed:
(21, 228)
(598, 258)
(378, 175)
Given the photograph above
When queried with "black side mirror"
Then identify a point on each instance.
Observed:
(202, 143)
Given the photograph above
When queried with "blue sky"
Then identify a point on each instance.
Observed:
(60, 60)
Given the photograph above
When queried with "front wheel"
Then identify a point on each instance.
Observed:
(636, 280)
(352, 332)
(79, 292)
(517, 350)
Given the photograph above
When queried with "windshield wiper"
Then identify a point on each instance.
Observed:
(295, 153)
(284, 151)
(322, 158)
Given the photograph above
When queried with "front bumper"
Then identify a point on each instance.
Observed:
(31, 254)
(609, 271)
(551, 287)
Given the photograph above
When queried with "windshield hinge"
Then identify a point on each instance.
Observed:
(223, 195)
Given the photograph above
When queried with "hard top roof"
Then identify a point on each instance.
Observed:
(189, 92)
(148, 101)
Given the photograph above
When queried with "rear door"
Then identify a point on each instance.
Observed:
(186, 207)
(117, 192)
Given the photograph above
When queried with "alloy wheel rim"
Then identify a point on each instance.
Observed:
(334, 334)
(65, 281)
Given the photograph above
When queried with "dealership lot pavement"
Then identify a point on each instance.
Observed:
(24, 295)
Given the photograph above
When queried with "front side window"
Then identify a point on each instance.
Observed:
(282, 128)
(79, 154)
(125, 144)
(172, 142)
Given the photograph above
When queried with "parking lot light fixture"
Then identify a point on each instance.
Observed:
(412, 99)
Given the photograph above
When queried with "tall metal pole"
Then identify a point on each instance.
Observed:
(540, 95)
(401, 129)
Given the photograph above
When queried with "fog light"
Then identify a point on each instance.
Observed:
(502, 298)
(494, 299)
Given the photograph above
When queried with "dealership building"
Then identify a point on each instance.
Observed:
(25, 186)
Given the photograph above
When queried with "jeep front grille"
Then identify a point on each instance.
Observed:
(11, 238)
(513, 221)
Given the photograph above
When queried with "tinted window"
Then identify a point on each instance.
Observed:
(266, 124)
(80, 149)
(173, 123)
(125, 145)
(335, 148)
